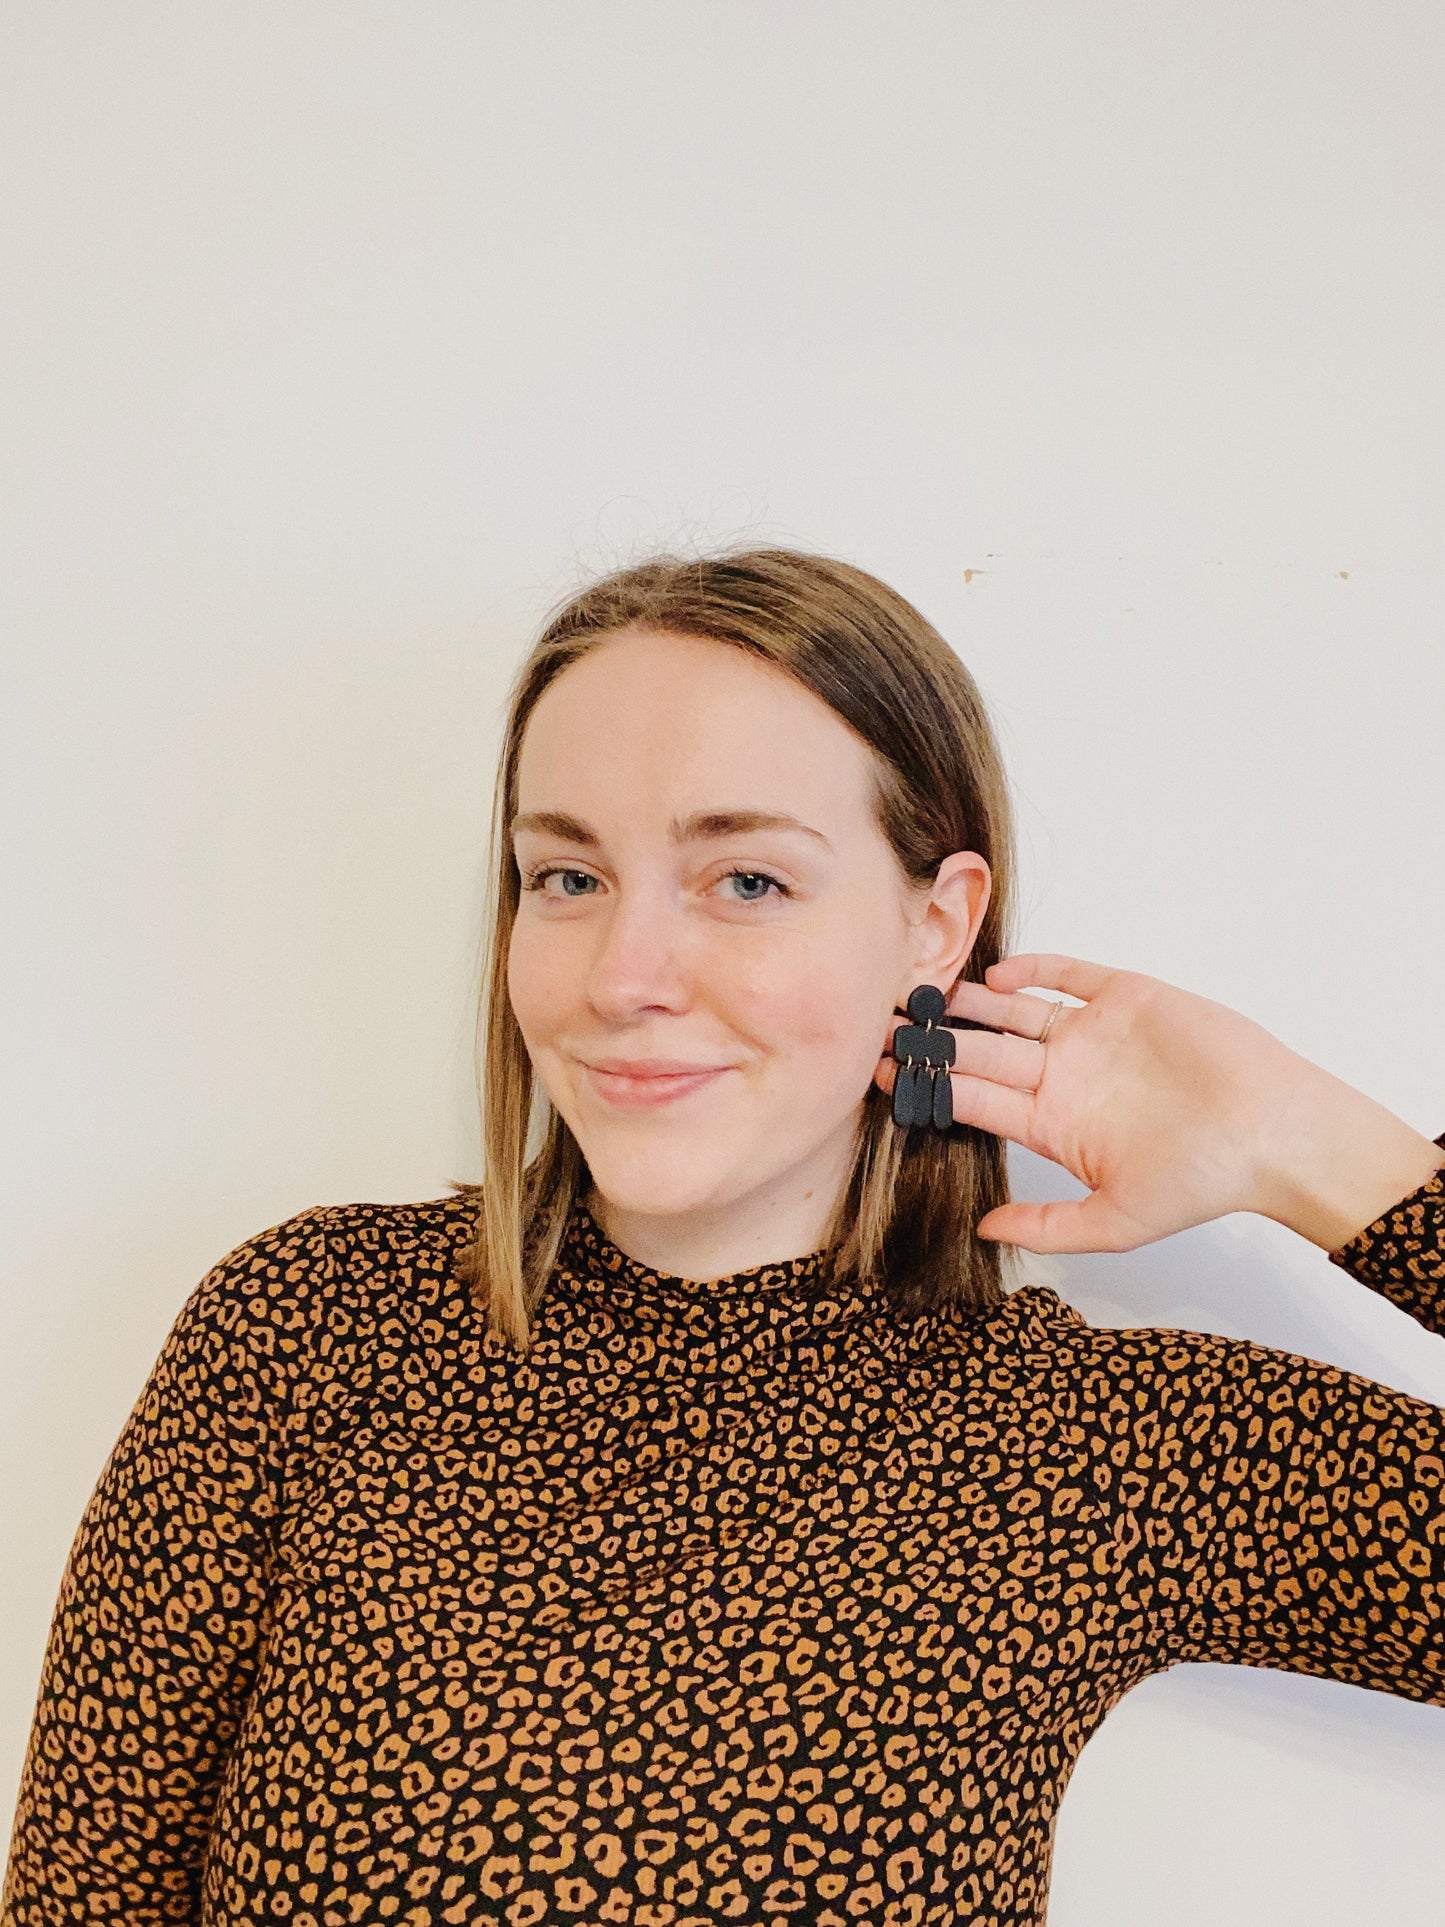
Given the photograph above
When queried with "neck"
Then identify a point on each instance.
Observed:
(788, 1217)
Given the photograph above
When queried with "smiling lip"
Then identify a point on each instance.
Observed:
(641, 1084)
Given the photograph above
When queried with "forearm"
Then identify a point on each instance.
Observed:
(1335, 1160)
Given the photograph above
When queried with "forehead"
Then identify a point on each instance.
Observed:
(652, 717)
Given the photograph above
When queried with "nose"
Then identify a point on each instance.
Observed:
(638, 964)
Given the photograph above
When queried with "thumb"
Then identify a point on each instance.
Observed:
(1074, 1224)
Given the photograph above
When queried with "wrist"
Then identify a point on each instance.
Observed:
(1342, 1162)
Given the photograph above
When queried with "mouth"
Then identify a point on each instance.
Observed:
(647, 1085)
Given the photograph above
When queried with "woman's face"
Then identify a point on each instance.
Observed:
(713, 932)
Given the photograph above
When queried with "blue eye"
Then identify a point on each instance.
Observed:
(754, 877)
(754, 886)
(537, 880)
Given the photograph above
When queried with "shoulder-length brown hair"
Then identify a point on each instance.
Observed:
(904, 1224)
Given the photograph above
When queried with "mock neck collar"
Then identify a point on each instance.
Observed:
(653, 1324)
(587, 1249)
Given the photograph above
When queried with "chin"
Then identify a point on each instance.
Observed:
(658, 1187)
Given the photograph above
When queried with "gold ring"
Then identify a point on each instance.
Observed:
(1051, 1020)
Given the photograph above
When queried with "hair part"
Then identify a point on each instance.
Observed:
(904, 1225)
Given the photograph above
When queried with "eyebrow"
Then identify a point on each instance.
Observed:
(703, 826)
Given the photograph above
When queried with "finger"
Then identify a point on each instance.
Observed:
(1015, 1011)
(1083, 1224)
(982, 1005)
(995, 1055)
(990, 1107)
(1046, 970)
(998, 1058)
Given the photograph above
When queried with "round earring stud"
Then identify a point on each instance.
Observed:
(926, 1004)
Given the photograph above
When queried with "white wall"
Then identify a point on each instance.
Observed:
(341, 337)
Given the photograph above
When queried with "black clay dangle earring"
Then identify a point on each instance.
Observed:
(921, 1090)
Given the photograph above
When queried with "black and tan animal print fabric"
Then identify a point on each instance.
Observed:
(1403, 1254)
(735, 1602)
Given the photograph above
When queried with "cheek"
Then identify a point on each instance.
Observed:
(535, 984)
(824, 1019)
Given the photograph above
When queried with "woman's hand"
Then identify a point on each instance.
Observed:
(1171, 1108)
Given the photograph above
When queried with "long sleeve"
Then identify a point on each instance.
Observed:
(156, 1633)
(1402, 1255)
(1281, 1512)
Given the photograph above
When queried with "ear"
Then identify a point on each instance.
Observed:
(946, 926)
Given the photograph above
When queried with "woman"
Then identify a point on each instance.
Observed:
(685, 1525)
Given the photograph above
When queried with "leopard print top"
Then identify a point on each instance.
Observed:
(736, 1601)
